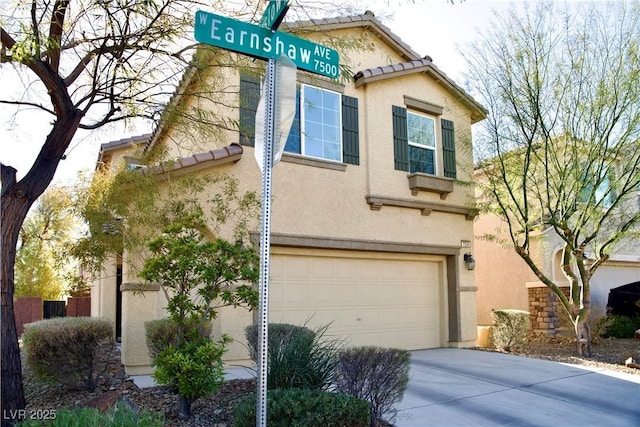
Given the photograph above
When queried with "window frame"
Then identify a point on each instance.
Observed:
(433, 149)
(303, 123)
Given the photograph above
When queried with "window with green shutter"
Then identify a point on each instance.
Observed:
(249, 98)
(350, 136)
(415, 143)
(325, 126)
(448, 148)
(400, 142)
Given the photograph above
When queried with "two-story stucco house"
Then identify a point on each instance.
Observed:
(370, 212)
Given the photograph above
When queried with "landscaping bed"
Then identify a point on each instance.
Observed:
(609, 353)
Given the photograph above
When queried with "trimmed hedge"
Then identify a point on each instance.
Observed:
(377, 375)
(510, 329)
(304, 408)
(66, 349)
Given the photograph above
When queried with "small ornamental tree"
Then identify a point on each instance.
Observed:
(198, 277)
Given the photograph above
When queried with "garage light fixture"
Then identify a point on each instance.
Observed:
(469, 261)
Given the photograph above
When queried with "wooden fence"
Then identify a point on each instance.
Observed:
(32, 309)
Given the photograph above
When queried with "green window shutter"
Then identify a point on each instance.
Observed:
(400, 141)
(350, 138)
(249, 97)
(448, 148)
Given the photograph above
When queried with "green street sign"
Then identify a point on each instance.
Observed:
(274, 13)
(260, 42)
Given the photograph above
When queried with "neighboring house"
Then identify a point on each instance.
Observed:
(506, 282)
(370, 212)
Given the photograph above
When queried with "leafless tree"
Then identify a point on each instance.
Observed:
(560, 147)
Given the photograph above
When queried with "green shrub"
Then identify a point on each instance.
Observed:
(195, 369)
(377, 375)
(304, 408)
(162, 333)
(298, 357)
(66, 349)
(510, 328)
(120, 416)
(618, 326)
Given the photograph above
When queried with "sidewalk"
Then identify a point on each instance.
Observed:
(231, 373)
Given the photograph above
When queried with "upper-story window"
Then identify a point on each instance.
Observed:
(325, 125)
(421, 136)
(321, 136)
(415, 142)
(600, 192)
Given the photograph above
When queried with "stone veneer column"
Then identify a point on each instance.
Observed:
(544, 309)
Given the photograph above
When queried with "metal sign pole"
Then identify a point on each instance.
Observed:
(265, 243)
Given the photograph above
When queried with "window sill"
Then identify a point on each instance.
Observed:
(311, 161)
(433, 184)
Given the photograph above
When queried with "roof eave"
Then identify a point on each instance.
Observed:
(201, 161)
(478, 111)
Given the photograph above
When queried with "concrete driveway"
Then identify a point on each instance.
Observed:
(453, 387)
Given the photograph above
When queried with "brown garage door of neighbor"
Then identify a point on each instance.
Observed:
(369, 298)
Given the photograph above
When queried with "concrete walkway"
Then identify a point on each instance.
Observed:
(453, 387)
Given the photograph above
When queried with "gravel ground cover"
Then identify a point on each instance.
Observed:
(216, 411)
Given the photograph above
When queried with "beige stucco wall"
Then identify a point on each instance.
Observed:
(103, 293)
(468, 314)
(501, 275)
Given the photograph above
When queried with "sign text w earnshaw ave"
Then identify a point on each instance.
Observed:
(260, 42)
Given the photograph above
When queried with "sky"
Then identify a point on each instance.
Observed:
(431, 27)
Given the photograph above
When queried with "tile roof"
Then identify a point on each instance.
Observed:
(125, 142)
(423, 65)
(229, 154)
(367, 19)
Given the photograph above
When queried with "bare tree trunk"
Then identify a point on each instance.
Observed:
(16, 200)
(583, 337)
(12, 387)
(184, 410)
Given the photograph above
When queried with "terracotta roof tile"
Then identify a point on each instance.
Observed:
(230, 153)
(125, 142)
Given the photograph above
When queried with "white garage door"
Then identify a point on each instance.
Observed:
(387, 300)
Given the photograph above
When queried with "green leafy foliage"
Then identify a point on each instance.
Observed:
(195, 369)
(120, 416)
(126, 220)
(182, 261)
(198, 277)
(376, 375)
(510, 328)
(618, 326)
(163, 333)
(42, 267)
(65, 349)
(298, 357)
(304, 408)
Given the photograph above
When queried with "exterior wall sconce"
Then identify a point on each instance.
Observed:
(469, 261)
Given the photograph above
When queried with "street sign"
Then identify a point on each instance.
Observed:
(274, 13)
(277, 107)
(260, 42)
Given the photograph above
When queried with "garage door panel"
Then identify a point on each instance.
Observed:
(390, 302)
